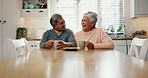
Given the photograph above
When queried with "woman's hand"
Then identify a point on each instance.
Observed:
(89, 45)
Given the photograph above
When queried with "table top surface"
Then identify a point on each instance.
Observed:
(99, 63)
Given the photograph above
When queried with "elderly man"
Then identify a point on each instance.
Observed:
(94, 38)
(59, 32)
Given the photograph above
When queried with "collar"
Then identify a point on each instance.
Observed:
(58, 32)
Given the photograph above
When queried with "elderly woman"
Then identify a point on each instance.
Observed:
(94, 38)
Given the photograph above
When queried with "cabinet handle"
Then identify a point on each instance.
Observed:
(4, 22)
(0, 21)
(41, 11)
(27, 11)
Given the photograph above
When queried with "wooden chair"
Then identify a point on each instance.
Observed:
(18, 47)
(139, 48)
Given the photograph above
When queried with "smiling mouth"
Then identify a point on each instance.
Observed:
(84, 25)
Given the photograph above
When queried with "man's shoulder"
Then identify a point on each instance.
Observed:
(49, 31)
(69, 30)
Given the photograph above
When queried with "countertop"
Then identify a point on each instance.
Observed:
(34, 39)
(127, 38)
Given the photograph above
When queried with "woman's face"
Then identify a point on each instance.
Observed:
(86, 24)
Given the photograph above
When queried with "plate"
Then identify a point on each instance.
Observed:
(71, 48)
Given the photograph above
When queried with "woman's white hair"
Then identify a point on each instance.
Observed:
(92, 16)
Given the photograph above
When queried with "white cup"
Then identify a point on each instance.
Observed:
(56, 43)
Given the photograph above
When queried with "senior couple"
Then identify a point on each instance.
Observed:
(95, 38)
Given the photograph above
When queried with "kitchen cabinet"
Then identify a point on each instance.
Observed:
(1, 34)
(34, 8)
(122, 45)
(139, 8)
(33, 45)
(8, 18)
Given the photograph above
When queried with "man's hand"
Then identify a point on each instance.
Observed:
(89, 45)
(49, 44)
(61, 44)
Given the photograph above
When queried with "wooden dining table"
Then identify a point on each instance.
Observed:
(98, 63)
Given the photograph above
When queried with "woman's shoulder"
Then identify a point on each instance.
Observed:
(79, 32)
(99, 29)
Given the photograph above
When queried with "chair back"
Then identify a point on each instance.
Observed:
(18, 47)
(139, 48)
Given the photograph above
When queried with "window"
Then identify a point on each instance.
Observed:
(110, 13)
(68, 9)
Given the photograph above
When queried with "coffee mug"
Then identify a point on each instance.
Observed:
(56, 43)
(82, 44)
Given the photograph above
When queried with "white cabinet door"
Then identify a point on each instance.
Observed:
(139, 8)
(8, 26)
(120, 48)
(1, 30)
(33, 45)
(120, 45)
(37, 44)
(34, 13)
(37, 11)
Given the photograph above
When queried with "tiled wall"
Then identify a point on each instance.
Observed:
(136, 24)
(35, 25)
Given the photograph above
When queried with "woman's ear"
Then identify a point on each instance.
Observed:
(93, 23)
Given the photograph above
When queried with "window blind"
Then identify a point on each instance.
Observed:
(69, 10)
(110, 13)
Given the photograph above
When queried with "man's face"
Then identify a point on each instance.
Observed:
(86, 24)
(60, 26)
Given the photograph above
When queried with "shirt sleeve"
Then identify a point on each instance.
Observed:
(106, 41)
(71, 40)
(44, 40)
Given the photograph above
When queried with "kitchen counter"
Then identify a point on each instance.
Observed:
(128, 38)
(123, 38)
(34, 39)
